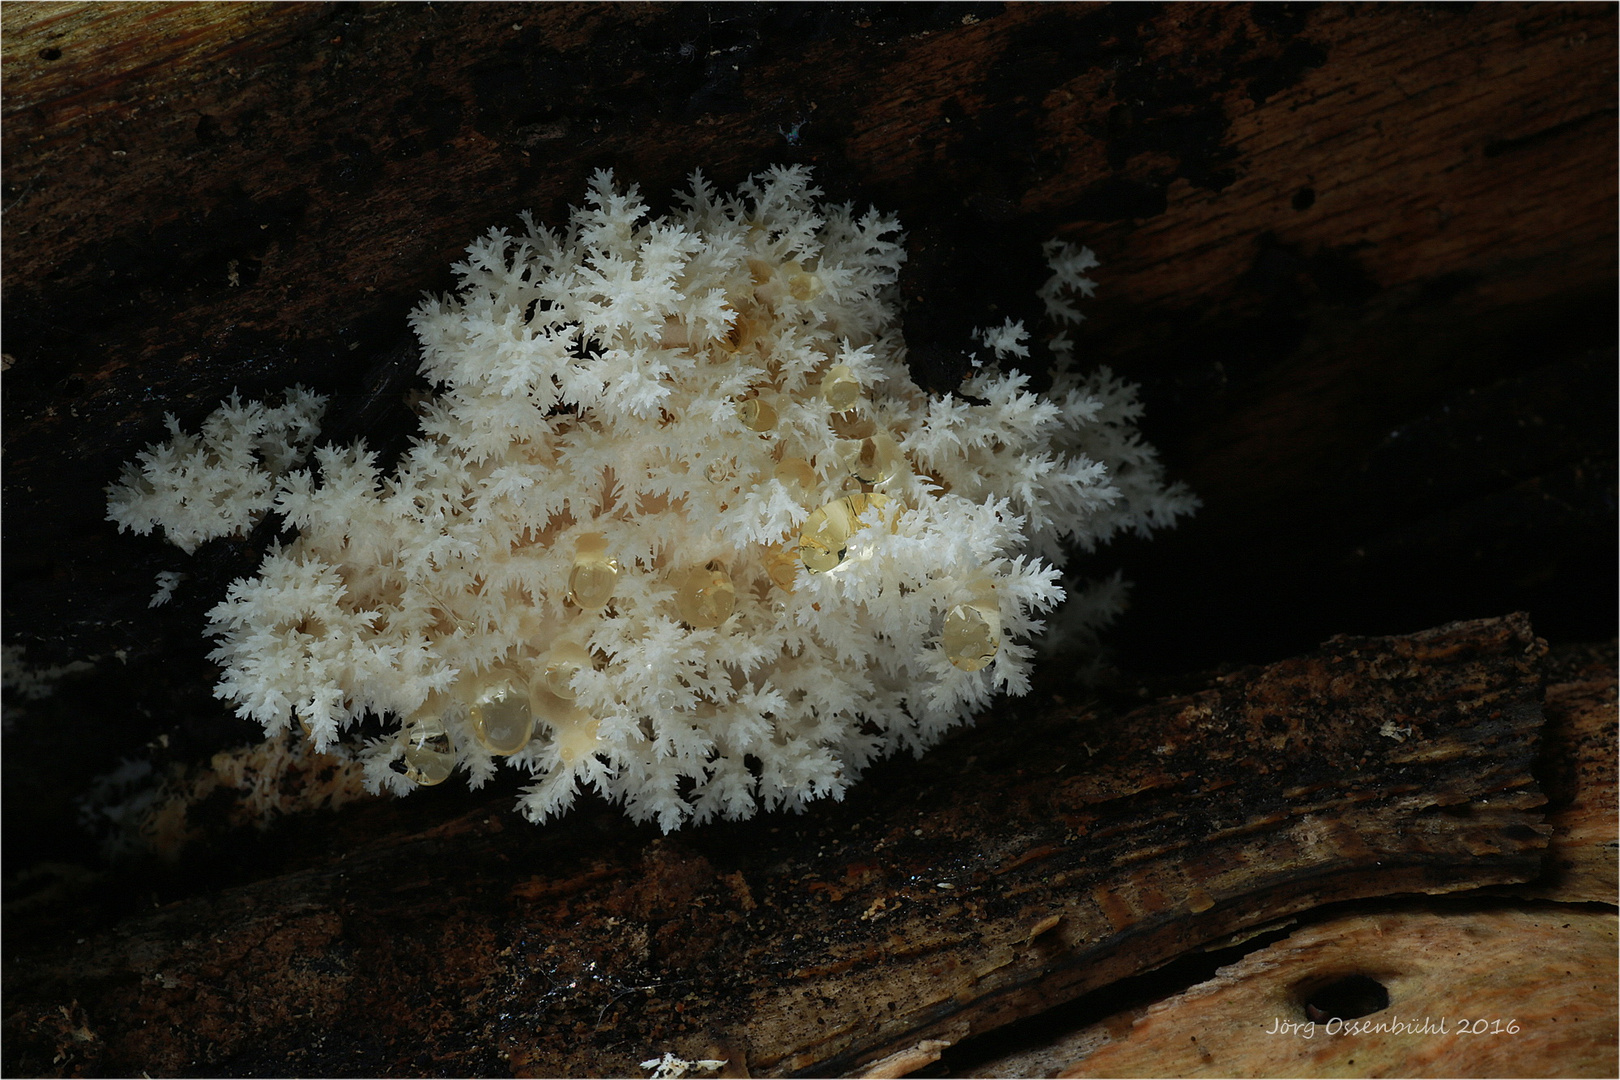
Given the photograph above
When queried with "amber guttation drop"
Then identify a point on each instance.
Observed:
(501, 718)
(801, 284)
(739, 335)
(851, 424)
(871, 460)
(564, 659)
(824, 539)
(840, 388)
(796, 472)
(972, 632)
(706, 597)
(590, 583)
(756, 414)
(573, 729)
(430, 754)
(782, 566)
(575, 735)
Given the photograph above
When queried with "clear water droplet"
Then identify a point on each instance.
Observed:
(851, 424)
(573, 730)
(564, 659)
(840, 388)
(972, 632)
(782, 566)
(740, 334)
(501, 718)
(797, 474)
(591, 582)
(802, 285)
(576, 736)
(430, 753)
(757, 414)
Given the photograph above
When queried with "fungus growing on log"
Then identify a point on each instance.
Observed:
(678, 524)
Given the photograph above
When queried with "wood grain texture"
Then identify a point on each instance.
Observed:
(1012, 870)
(1579, 752)
(1471, 993)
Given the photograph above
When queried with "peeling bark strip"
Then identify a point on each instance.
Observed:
(1030, 861)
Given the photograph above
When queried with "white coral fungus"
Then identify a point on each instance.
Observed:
(670, 1067)
(679, 526)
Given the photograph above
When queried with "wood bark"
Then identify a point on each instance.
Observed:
(1025, 864)
(1529, 980)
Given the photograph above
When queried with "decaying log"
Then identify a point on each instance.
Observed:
(1470, 993)
(1018, 867)
(1578, 756)
(1533, 982)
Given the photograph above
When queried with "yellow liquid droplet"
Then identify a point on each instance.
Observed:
(782, 566)
(796, 472)
(501, 719)
(739, 335)
(972, 631)
(870, 460)
(757, 415)
(851, 424)
(840, 388)
(562, 662)
(824, 539)
(573, 730)
(590, 584)
(706, 597)
(802, 285)
(576, 736)
(430, 754)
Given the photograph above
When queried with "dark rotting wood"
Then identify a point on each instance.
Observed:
(1027, 862)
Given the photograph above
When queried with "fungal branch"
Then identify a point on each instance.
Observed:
(679, 526)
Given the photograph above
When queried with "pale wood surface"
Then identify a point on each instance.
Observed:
(1472, 993)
